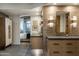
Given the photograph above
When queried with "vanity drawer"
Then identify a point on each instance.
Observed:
(55, 43)
(70, 51)
(69, 43)
(77, 49)
(55, 52)
(63, 47)
(77, 43)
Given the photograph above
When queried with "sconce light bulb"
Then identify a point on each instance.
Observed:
(50, 18)
(50, 24)
(74, 25)
(74, 18)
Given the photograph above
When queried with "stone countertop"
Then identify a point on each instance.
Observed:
(62, 37)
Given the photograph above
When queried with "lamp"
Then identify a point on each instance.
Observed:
(50, 21)
(50, 24)
(74, 18)
(74, 21)
(74, 25)
(50, 18)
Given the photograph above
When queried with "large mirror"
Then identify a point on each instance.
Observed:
(62, 22)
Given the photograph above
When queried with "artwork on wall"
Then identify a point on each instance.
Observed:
(35, 25)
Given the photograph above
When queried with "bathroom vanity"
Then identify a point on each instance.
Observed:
(60, 31)
(62, 45)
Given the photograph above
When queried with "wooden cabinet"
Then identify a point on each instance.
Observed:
(63, 47)
(55, 47)
(2, 32)
(36, 42)
(55, 43)
(55, 51)
(5, 31)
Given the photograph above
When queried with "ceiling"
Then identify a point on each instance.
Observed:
(21, 9)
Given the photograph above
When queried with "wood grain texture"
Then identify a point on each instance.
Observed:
(63, 47)
(36, 42)
(2, 32)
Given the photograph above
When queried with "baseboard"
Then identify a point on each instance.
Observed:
(4, 47)
(25, 41)
(8, 45)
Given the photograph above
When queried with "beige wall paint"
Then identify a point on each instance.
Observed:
(7, 23)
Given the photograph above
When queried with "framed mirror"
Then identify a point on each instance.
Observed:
(62, 22)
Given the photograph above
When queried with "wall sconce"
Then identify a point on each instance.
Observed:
(74, 18)
(74, 25)
(50, 18)
(50, 21)
(50, 24)
(74, 21)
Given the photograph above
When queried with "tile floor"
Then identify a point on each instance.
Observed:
(16, 50)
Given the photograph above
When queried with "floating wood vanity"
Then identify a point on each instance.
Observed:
(63, 46)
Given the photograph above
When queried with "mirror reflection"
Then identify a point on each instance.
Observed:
(62, 22)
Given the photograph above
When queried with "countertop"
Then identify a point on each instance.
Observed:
(62, 37)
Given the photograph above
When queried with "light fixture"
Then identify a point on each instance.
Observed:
(74, 25)
(50, 21)
(74, 18)
(74, 21)
(50, 18)
(50, 24)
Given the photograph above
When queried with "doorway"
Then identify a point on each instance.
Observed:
(25, 30)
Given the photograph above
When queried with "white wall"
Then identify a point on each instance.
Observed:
(16, 29)
(36, 33)
(7, 23)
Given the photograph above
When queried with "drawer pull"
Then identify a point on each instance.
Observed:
(56, 52)
(69, 52)
(55, 43)
(68, 43)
